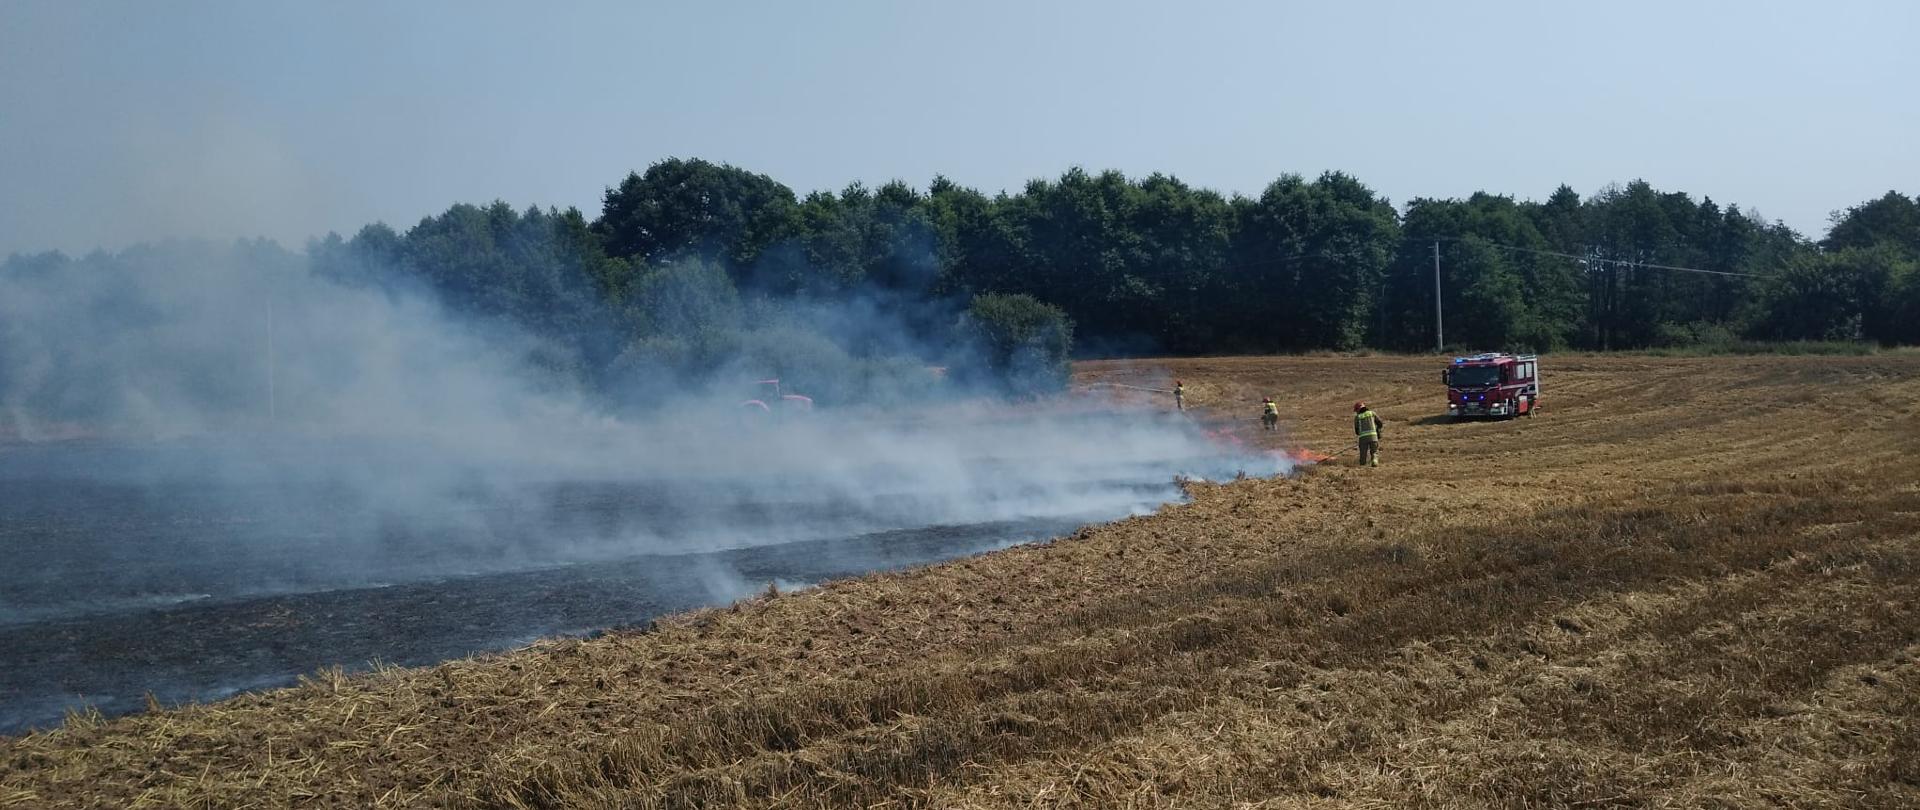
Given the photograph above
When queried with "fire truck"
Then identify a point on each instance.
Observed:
(1492, 384)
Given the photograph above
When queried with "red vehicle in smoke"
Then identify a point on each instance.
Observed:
(769, 397)
(1493, 384)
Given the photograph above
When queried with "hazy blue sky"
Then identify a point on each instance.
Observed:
(128, 121)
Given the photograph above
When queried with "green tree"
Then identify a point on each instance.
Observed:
(692, 207)
(532, 265)
(968, 239)
(883, 238)
(1498, 289)
(1171, 275)
(1834, 296)
(1072, 241)
(1312, 257)
(1892, 219)
(1899, 323)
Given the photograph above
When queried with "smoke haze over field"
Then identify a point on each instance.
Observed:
(289, 470)
(314, 434)
(190, 338)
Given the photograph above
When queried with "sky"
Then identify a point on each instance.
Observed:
(123, 122)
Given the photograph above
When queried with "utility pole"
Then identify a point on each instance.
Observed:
(1439, 323)
(272, 405)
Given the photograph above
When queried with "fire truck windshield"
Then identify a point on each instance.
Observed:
(1474, 376)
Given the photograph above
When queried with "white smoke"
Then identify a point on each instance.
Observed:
(351, 436)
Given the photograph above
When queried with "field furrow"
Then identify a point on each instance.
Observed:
(1686, 583)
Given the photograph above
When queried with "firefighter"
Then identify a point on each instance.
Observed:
(1269, 414)
(1179, 396)
(1366, 428)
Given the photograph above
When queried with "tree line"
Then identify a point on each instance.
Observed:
(691, 267)
(1155, 265)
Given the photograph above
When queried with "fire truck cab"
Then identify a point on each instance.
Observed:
(1493, 384)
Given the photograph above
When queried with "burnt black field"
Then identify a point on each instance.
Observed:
(195, 570)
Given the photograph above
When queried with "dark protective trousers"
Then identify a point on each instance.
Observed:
(1370, 451)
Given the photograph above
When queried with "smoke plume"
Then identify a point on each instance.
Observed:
(187, 421)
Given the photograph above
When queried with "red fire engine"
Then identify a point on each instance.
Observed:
(1493, 385)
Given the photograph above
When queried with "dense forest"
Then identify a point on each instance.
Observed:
(1155, 265)
(693, 266)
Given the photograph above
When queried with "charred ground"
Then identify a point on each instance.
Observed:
(1688, 582)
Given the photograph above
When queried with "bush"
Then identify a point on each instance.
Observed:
(1015, 342)
(1699, 337)
(1672, 335)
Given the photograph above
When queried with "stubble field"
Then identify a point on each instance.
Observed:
(1686, 583)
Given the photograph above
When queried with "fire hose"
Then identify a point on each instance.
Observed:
(1326, 456)
(1131, 387)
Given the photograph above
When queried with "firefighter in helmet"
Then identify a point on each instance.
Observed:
(1179, 395)
(1366, 428)
(1269, 415)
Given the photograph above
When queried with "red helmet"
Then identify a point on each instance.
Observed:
(1359, 406)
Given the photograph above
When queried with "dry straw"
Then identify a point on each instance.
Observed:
(1619, 603)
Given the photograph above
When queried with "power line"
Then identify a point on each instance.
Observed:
(1322, 254)
(1599, 260)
